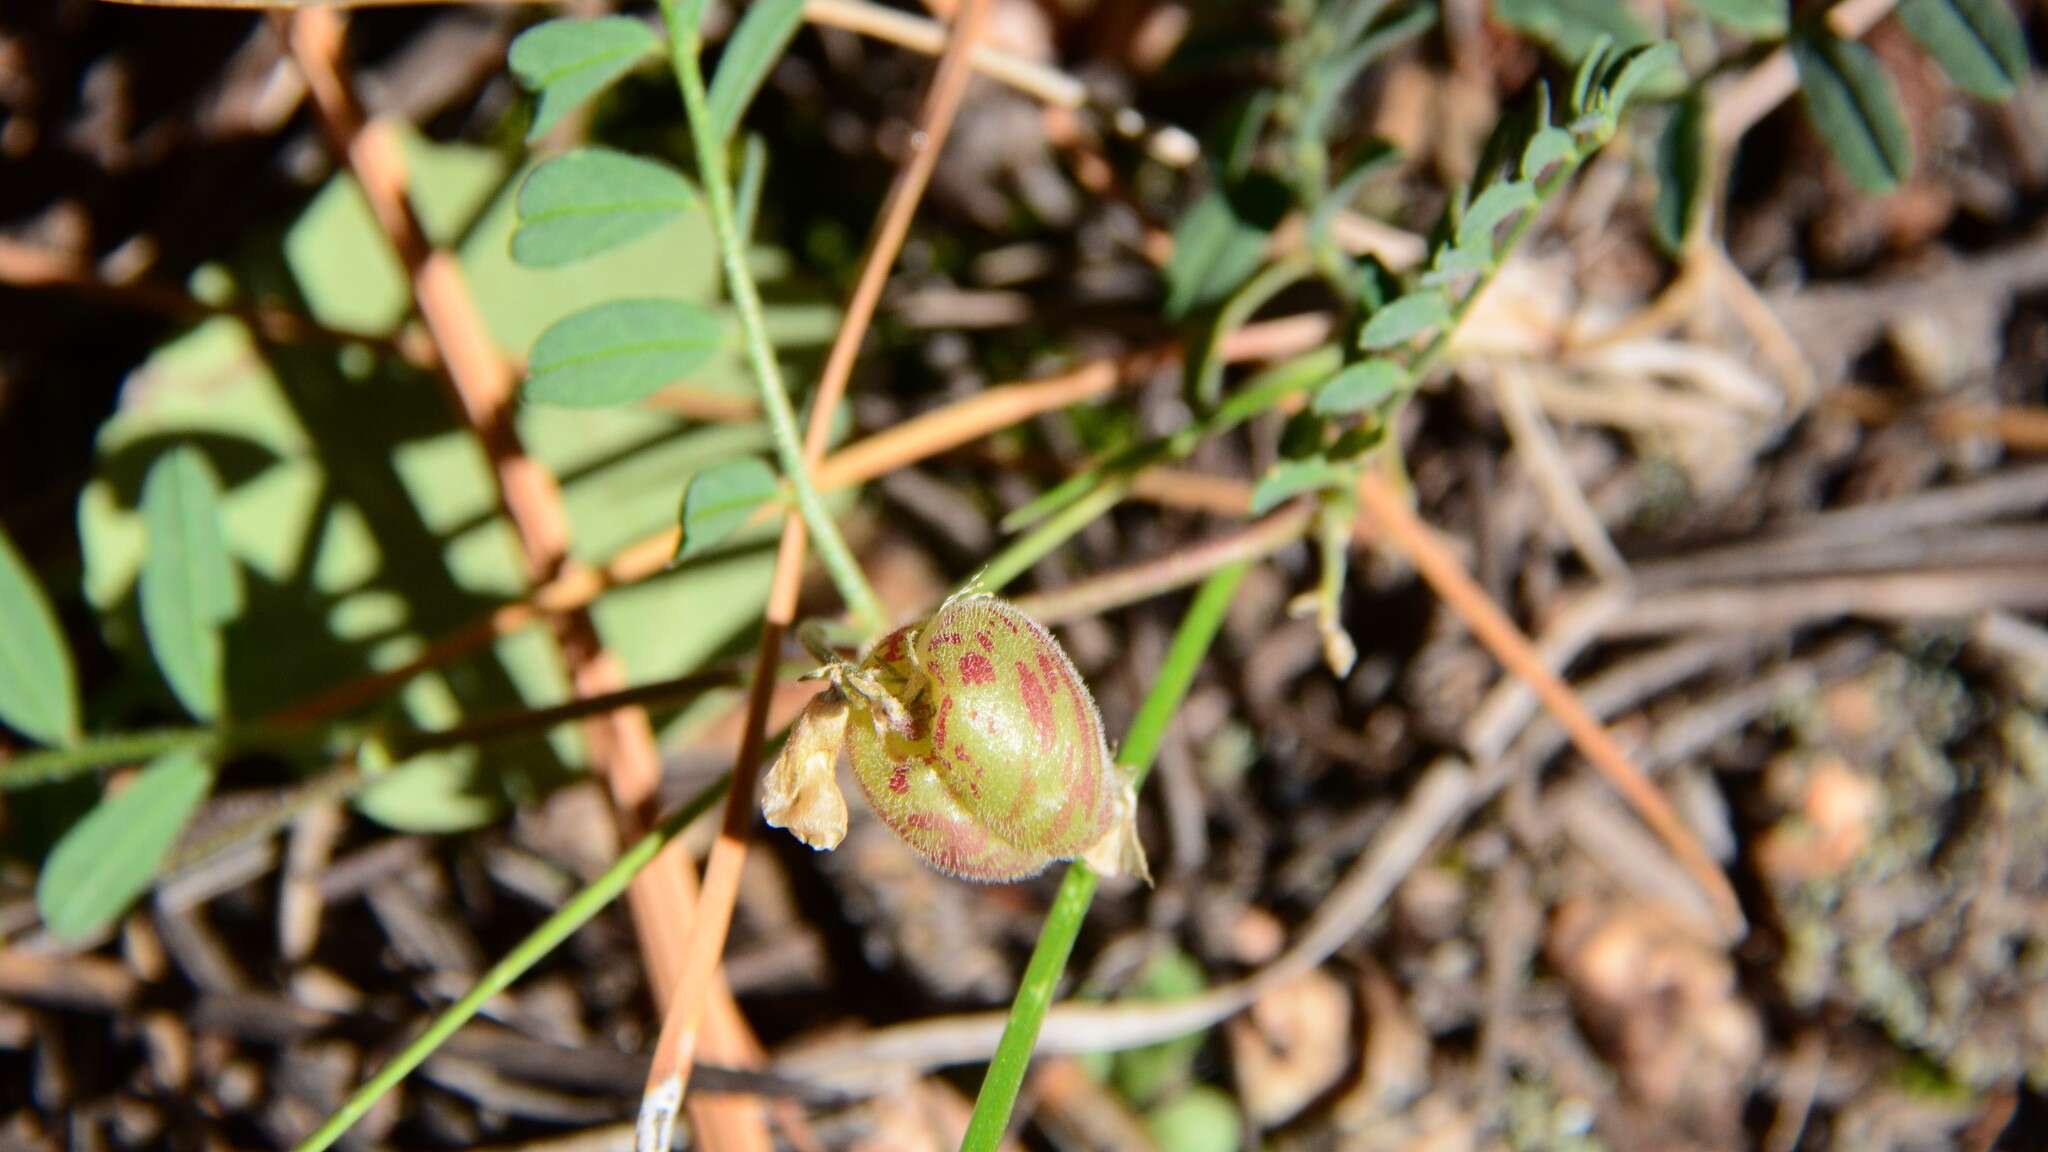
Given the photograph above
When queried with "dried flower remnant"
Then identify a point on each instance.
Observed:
(975, 740)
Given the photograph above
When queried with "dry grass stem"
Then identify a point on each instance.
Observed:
(1536, 444)
(1386, 513)
(621, 743)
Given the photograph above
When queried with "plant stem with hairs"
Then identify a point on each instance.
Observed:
(686, 44)
(998, 1096)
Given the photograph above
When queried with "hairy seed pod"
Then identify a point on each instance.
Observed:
(975, 740)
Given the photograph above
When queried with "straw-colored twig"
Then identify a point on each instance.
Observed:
(1186, 565)
(1536, 443)
(1385, 514)
(621, 742)
(908, 443)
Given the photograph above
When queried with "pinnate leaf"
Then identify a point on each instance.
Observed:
(749, 53)
(592, 200)
(38, 685)
(110, 857)
(1854, 106)
(190, 589)
(1405, 319)
(619, 352)
(569, 61)
(718, 501)
(1360, 387)
(1977, 42)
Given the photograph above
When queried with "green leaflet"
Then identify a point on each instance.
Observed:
(1854, 107)
(190, 589)
(592, 200)
(38, 685)
(718, 501)
(1361, 387)
(111, 856)
(1290, 478)
(1405, 319)
(1977, 42)
(619, 352)
(569, 61)
(1502, 200)
(752, 50)
(1681, 166)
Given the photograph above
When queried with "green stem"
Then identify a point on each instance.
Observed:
(1266, 390)
(1020, 554)
(685, 45)
(998, 1096)
(555, 929)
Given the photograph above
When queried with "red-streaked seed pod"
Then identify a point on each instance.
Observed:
(975, 740)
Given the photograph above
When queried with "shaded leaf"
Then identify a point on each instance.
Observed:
(1977, 42)
(1404, 319)
(1362, 386)
(619, 352)
(1852, 104)
(435, 794)
(1143, 1075)
(1571, 28)
(1332, 77)
(1290, 478)
(110, 857)
(569, 61)
(593, 200)
(38, 685)
(752, 50)
(1220, 243)
(1761, 19)
(190, 588)
(1681, 165)
(718, 500)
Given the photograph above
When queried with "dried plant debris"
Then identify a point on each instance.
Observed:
(1751, 452)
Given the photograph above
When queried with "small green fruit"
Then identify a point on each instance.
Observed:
(975, 740)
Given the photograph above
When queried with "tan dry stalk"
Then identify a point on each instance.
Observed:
(1386, 515)
(621, 744)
